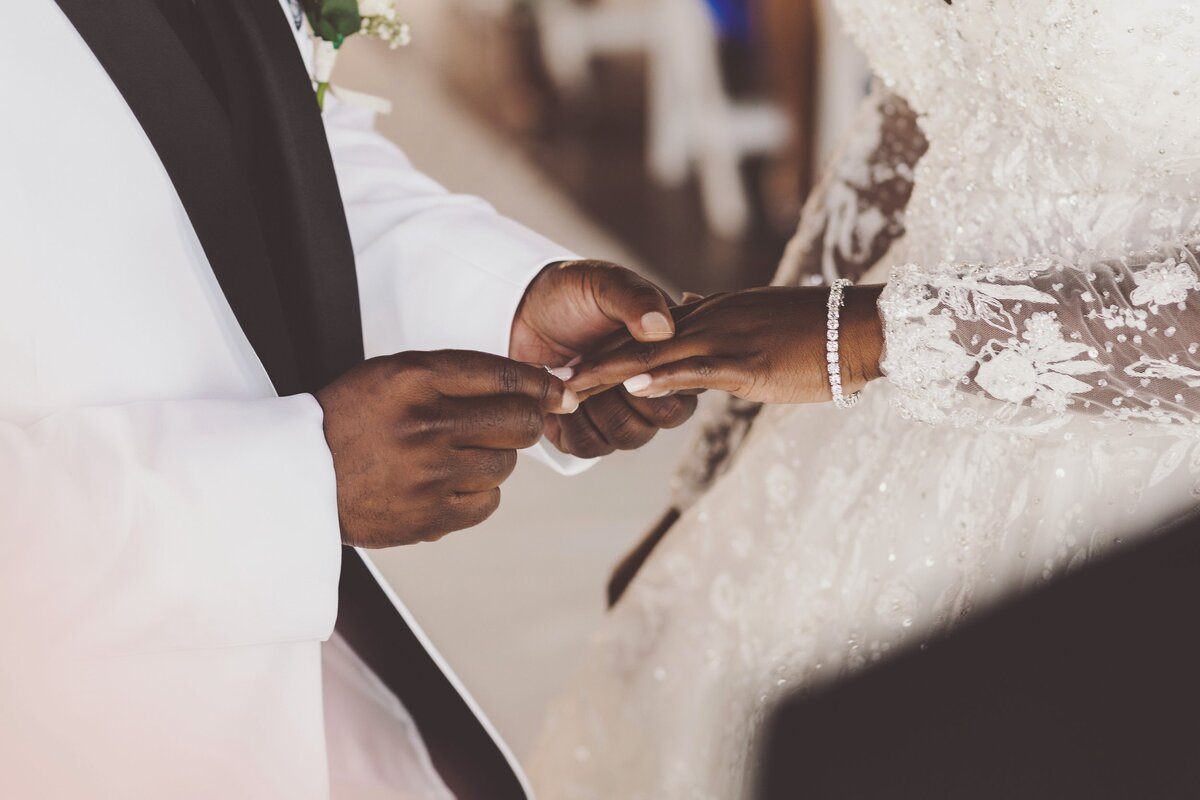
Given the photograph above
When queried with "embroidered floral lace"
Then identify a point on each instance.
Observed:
(1039, 338)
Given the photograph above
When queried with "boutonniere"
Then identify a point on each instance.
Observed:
(334, 21)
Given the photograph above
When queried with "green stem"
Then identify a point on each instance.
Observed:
(322, 88)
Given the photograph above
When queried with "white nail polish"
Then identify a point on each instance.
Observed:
(570, 402)
(638, 383)
(562, 373)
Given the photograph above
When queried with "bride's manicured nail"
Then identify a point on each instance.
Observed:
(570, 402)
(562, 373)
(638, 383)
(574, 362)
(656, 325)
(659, 395)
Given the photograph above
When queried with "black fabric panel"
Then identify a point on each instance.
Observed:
(465, 756)
(1087, 689)
(184, 18)
(281, 141)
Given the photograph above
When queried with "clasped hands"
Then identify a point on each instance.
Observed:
(766, 345)
(421, 442)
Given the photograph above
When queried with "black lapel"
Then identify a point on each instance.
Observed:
(188, 129)
(287, 160)
(465, 755)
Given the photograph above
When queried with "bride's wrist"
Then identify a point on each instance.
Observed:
(862, 337)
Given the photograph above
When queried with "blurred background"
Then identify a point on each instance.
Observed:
(677, 137)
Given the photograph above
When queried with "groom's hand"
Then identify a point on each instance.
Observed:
(422, 441)
(571, 309)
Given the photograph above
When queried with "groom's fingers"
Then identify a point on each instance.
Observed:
(464, 373)
(664, 412)
(466, 510)
(476, 469)
(579, 436)
(626, 297)
(617, 421)
(505, 422)
(621, 336)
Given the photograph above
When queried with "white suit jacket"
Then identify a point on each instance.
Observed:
(169, 546)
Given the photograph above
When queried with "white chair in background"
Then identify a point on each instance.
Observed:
(843, 78)
(572, 35)
(695, 127)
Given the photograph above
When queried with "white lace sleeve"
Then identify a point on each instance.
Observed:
(1040, 340)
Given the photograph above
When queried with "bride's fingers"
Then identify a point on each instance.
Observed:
(629, 359)
(588, 393)
(698, 372)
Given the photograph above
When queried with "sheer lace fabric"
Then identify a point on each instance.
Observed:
(1038, 339)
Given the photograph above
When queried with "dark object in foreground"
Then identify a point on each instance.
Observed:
(1087, 689)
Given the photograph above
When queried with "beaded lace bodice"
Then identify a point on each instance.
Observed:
(1060, 127)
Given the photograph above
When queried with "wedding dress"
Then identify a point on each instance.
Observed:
(1037, 208)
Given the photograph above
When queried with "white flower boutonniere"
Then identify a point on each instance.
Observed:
(334, 21)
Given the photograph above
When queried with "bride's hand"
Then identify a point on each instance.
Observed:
(765, 345)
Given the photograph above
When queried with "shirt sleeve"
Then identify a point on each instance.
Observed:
(169, 525)
(436, 270)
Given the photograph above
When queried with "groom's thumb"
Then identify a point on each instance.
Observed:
(633, 301)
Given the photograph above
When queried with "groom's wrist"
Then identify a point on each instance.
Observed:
(524, 342)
